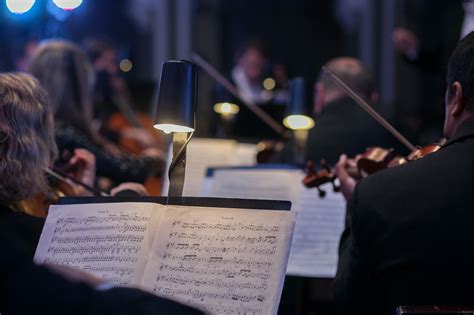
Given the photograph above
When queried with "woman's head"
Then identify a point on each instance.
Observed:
(66, 74)
(27, 143)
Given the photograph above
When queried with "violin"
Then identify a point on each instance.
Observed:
(60, 185)
(314, 179)
(126, 117)
(373, 159)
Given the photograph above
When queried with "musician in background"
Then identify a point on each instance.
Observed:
(249, 72)
(251, 68)
(103, 58)
(67, 76)
(112, 98)
(408, 237)
(27, 147)
(428, 32)
(341, 125)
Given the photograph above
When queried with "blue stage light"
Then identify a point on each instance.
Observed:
(19, 6)
(67, 4)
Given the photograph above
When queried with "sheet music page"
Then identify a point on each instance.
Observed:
(220, 260)
(314, 252)
(110, 240)
(203, 153)
(272, 184)
(245, 154)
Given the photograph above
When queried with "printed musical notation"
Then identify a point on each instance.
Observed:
(221, 263)
(221, 260)
(107, 243)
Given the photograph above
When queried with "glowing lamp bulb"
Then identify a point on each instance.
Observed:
(269, 84)
(169, 128)
(226, 108)
(126, 65)
(20, 6)
(67, 4)
(298, 122)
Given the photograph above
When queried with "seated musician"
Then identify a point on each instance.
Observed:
(408, 239)
(113, 101)
(67, 76)
(26, 148)
(341, 125)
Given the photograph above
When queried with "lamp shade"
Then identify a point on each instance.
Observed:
(176, 105)
(296, 118)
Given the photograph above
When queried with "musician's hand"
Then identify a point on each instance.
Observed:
(122, 189)
(83, 161)
(82, 165)
(406, 42)
(348, 183)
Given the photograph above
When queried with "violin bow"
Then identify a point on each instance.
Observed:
(260, 113)
(64, 177)
(369, 109)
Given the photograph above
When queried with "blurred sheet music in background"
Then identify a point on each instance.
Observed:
(203, 153)
(314, 251)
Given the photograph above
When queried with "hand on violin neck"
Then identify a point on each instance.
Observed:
(342, 171)
(82, 166)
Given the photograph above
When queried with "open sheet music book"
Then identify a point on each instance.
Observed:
(220, 260)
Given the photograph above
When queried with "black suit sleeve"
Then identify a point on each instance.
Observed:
(29, 289)
(352, 284)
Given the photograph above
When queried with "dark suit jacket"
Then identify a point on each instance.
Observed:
(29, 289)
(344, 127)
(409, 238)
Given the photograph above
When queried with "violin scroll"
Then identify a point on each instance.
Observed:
(315, 178)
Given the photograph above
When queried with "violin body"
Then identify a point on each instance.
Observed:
(38, 204)
(118, 121)
(373, 160)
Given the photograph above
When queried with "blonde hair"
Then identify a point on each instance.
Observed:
(27, 143)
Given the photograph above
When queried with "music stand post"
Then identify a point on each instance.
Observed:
(174, 112)
(177, 172)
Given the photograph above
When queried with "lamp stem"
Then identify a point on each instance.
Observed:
(299, 151)
(178, 166)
